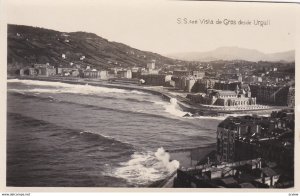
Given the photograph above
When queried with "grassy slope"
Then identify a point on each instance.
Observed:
(38, 45)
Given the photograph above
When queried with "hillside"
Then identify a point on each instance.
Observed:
(28, 45)
(235, 53)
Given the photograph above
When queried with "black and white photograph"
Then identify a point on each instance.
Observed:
(150, 94)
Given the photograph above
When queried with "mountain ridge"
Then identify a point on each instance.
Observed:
(27, 45)
(235, 53)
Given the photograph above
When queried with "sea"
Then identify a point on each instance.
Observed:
(68, 135)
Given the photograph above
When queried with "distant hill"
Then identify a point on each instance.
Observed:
(235, 53)
(28, 45)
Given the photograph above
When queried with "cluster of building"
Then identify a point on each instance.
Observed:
(226, 85)
(252, 151)
(280, 95)
(265, 73)
(38, 69)
(253, 134)
(270, 83)
(241, 174)
(46, 70)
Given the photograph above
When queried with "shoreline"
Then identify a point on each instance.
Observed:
(185, 105)
(184, 156)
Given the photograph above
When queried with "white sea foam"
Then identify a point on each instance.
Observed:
(35, 90)
(164, 157)
(173, 101)
(172, 107)
(146, 167)
(71, 88)
(39, 83)
(139, 92)
(210, 117)
(87, 89)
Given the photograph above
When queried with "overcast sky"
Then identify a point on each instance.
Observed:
(152, 25)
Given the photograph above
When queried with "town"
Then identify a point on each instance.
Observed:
(254, 144)
(220, 86)
(252, 151)
(213, 85)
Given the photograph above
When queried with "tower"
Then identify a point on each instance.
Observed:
(248, 91)
(237, 89)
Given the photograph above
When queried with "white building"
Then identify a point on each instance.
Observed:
(151, 65)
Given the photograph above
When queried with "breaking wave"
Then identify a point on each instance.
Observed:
(147, 167)
(71, 88)
(172, 107)
(88, 132)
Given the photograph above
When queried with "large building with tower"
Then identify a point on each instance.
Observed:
(238, 97)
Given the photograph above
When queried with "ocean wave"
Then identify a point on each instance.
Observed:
(88, 132)
(34, 90)
(171, 107)
(146, 167)
(133, 111)
(17, 92)
(140, 112)
(92, 132)
(37, 91)
(139, 92)
(93, 107)
(39, 83)
(138, 100)
(72, 88)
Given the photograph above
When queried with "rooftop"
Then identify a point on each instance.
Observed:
(269, 172)
(227, 93)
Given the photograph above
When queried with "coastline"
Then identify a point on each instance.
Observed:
(180, 154)
(185, 104)
(183, 155)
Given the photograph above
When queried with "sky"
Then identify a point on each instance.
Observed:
(153, 25)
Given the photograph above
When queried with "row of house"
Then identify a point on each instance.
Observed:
(246, 137)
(240, 174)
(224, 93)
(48, 70)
